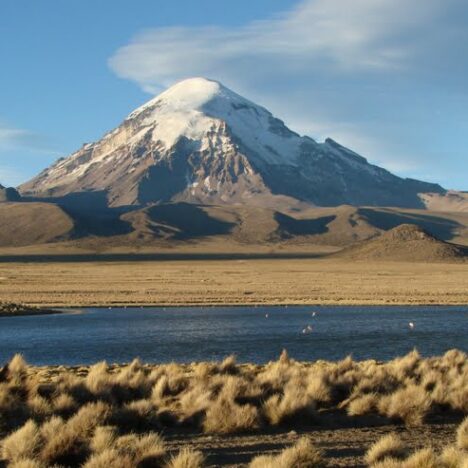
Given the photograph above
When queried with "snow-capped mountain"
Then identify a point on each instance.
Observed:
(201, 142)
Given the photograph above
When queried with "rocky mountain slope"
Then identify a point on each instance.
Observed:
(200, 142)
(450, 201)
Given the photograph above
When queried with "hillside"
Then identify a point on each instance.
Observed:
(218, 227)
(177, 223)
(450, 201)
(8, 194)
(406, 242)
(33, 223)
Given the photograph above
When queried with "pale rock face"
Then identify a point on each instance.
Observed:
(200, 142)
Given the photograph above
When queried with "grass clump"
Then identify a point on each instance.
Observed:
(187, 458)
(389, 452)
(225, 416)
(410, 404)
(424, 458)
(462, 435)
(389, 447)
(301, 455)
(22, 444)
(451, 457)
(362, 405)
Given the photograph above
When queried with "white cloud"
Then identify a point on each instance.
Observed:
(19, 151)
(337, 35)
(16, 138)
(12, 137)
(10, 177)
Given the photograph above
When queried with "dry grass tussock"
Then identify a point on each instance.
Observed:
(187, 458)
(391, 452)
(301, 455)
(112, 415)
(462, 435)
(389, 446)
(388, 452)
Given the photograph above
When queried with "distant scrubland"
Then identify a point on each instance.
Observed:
(110, 415)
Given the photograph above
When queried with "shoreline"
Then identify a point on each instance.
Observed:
(67, 307)
(29, 310)
(25, 310)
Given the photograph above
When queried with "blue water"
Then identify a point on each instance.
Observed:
(200, 333)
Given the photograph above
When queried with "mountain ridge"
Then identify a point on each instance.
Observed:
(66, 226)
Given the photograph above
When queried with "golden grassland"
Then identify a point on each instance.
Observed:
(125, 415)
(234, 282)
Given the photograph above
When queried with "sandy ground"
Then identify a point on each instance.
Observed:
(236, 281)
(342, 447)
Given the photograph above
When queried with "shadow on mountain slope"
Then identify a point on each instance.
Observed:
(289, 227)
(442, 228)
(90, 213)
(181, 221)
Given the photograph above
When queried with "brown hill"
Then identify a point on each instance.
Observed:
(33, 223)
(8, 194)
(248, 224)
(406, 242)
(85, 222)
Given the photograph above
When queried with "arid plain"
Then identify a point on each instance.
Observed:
(231, 282)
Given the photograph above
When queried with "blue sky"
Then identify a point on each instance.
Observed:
(387, 78)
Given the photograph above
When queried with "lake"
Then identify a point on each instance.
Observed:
(253, 334)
